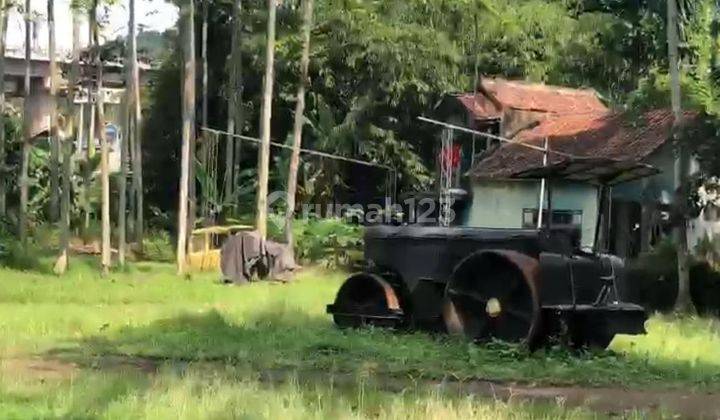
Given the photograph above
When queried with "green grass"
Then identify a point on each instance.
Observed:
(212, 341)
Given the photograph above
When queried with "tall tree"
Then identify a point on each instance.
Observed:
(204, 105)
(136, 119)
(234, 102)
(54, 140)
(4, 11)
(127, 112)
(89, 112)
(68, 131)
(298, 123)
(187, 14)
(27, 131)
(683, 303)
(104, 149)
(264, 150)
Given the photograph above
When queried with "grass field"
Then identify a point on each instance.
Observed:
(145, 343)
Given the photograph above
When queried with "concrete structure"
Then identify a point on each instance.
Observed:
(113, 82)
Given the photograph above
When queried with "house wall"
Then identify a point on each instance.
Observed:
(500, 204)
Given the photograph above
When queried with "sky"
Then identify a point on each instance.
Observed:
(150, 14)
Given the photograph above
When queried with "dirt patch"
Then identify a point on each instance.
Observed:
(606, 400)
(610, 401)
(38, 368)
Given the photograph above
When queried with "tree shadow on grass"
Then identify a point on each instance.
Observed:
(275, 347)
(290, 339)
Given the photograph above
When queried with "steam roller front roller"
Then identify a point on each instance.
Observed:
(366, 299)
(494, 295)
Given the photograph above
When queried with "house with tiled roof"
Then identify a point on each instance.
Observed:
(572, 121)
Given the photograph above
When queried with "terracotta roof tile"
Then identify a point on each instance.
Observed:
(611, 135)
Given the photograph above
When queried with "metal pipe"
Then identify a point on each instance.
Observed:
(541, 201)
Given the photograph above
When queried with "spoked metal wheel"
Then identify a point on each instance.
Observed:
(493, 294)
(366, 299)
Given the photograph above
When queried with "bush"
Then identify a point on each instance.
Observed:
(158, 246)
(332, 242)
(653, 281)
(12, 254)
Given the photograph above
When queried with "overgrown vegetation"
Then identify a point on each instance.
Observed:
(146, 312)
(653, 279)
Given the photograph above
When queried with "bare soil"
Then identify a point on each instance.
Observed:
(605, 400)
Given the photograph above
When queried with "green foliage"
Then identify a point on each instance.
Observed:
(12, 254)
(330, 242)
(653, 278)
(376, 66)
(147, 312)
(158, 246)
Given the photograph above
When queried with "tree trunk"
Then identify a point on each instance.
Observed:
(128, 111)
(89, 140)
(238, 114)
(204, 145)
(139, 223)
(68, 134)
(298, 124)
(104, 149)
(3, 160)
(27, 126)
(234, 106)
(187, 14)
(54, 141)
(192, 183)
(683, 304)
(264, 150)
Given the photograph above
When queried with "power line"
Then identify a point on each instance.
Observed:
(307, 151)
(494, 137)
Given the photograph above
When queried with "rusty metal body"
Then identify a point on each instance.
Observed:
(527, 286)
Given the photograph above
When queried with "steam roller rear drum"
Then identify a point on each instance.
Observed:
(366, 299)
(494, 295)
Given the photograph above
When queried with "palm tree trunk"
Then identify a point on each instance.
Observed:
(192, 184)
(264, 150)
(27, 126)
(298, 124)
(204, 105)
(234, 106)
(187, 14)
(3, 161)
(69, 133)
(683, 303)
(104, 150)
(137, 138)
(54, 141)
(89, 139)
(128, 110)
(239, 87)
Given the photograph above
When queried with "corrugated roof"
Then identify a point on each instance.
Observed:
(615, 136)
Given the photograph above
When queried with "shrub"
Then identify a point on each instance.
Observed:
(653, 280)
(158, 246)
(332, 242)
(12, 254)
